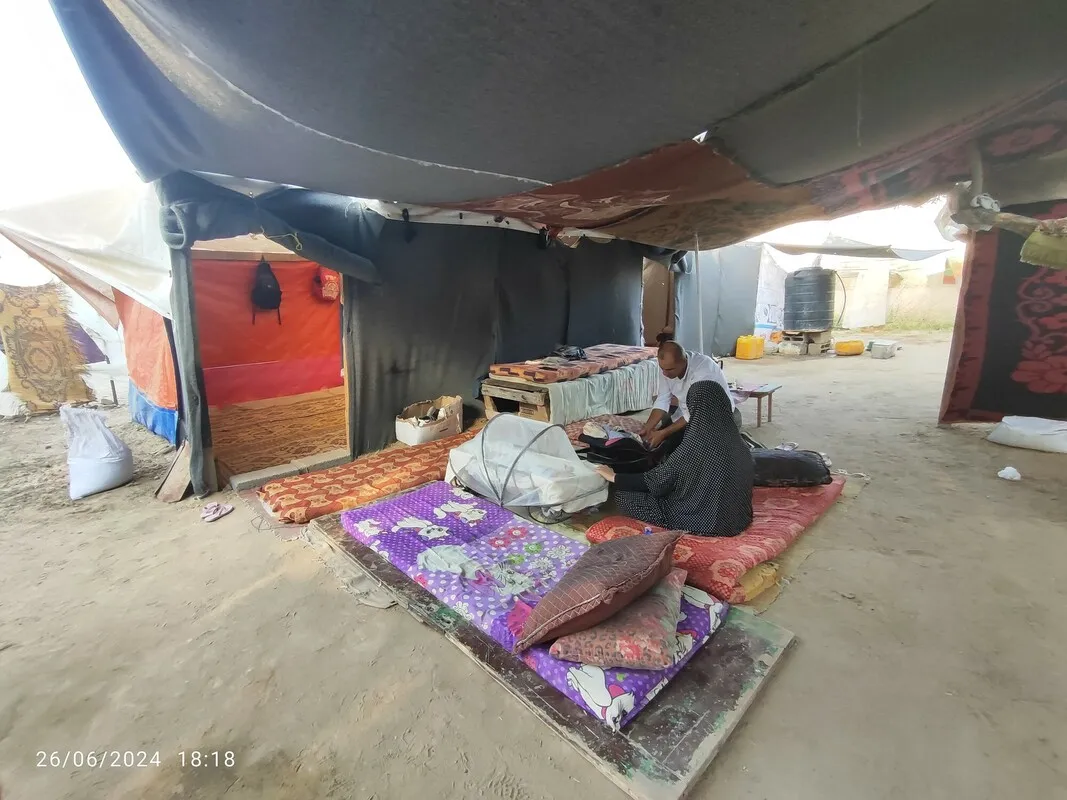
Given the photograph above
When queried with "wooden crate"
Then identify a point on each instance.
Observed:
(532, 400)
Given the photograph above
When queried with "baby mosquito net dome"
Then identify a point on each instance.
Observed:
(518, 462)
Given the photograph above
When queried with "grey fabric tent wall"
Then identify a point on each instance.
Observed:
(726, 288)
(455, 299)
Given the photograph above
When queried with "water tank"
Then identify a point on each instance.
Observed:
(809, 300)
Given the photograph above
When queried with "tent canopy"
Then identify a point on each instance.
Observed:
(839, 246)
(584, 116)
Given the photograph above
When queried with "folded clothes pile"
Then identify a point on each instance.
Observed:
(623, 451)
(606, 434)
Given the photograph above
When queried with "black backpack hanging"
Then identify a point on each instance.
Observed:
(266, 291)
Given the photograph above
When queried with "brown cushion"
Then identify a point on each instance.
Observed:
(606, 579)
(644, 635)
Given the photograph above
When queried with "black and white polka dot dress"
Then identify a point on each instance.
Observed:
(705, 486)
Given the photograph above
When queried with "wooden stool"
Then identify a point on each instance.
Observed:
(766, 390)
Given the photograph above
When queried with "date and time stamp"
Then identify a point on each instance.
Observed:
(135, 759)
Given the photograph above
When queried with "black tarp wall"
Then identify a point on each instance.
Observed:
(427, 307)
(455, 299)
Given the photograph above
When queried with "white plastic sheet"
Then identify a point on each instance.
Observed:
(522, 463)
(99, 240)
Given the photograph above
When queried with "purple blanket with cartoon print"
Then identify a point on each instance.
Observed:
(479, 560)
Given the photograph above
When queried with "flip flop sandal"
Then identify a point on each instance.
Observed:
(214, 511)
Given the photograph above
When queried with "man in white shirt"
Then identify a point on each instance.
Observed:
(679, 370)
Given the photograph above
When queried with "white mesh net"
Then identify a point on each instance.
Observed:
(522, 463)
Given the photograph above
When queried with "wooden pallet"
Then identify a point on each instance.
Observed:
(664, 751)
(532, 399)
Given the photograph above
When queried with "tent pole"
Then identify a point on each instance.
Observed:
(700, 289)
(191, 374)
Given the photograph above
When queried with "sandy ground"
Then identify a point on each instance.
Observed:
(931, 661)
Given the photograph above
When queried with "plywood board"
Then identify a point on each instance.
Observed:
(663, 752)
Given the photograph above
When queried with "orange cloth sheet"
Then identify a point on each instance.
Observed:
(148, 357)
(245, 360)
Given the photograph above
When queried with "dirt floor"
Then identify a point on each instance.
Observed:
(931, 661)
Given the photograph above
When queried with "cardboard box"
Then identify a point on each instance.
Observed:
(413, 428)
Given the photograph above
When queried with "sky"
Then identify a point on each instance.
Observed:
(53, 139)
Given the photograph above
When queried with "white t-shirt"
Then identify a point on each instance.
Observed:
(700, 368)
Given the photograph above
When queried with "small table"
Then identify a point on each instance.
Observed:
(759, 392)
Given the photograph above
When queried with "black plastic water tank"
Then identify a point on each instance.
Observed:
(809, 300)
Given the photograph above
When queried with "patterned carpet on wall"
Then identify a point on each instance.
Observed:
(46, 366)
(267, 433)
(1009, 346)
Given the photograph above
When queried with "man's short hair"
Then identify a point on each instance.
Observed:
(672, 348)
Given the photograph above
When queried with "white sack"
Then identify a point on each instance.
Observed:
(1032, 433)
(98, 460)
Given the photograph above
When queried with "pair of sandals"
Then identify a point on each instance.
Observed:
(214, 511)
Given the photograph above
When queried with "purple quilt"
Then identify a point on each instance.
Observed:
(479, 560)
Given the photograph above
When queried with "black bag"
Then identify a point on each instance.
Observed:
(780, 468)
(569, 352)
(266, 291)
(626, 455)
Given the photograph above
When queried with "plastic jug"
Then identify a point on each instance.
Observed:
(851, 347)
(749, 347)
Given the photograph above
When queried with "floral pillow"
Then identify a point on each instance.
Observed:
(641, 636)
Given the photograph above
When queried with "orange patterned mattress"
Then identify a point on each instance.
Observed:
(302, 498)
(600, 358)
(717, 564)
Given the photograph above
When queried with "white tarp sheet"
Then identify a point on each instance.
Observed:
(96, 241)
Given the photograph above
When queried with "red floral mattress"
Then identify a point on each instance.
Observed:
(600, 358)
(302, 498)
(717, 564)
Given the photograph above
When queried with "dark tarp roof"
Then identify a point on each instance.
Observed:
(453, 102)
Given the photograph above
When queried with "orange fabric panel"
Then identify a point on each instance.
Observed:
(148, 359)
(310, 327)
